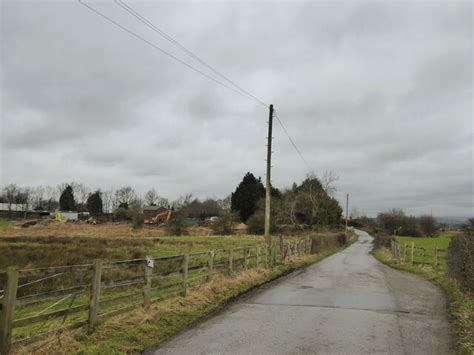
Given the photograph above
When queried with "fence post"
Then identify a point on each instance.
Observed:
(210, 265)
(423, 256)
(405, 252)
(95, 293)
(266, 256)
(185, 275)
(435, 262)
(258, 257)
(231, 261)
(289, 250)
(246, 258)
(281, 247)
(147, 287)
(412, 252)
(8, 309)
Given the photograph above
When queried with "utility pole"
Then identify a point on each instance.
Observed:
(347, 208)
(268, 181)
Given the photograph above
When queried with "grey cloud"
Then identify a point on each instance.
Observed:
(380, 92)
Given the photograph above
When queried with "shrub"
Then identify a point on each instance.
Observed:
(256, 223)
(121, 214)
(176, 226)
(383, 240)
(225, 223)
(137, 218)
(460, 261)
(342, 239)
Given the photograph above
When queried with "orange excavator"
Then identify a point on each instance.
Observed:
(161, 217)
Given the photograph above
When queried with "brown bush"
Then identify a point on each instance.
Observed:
(382, 240)
(460, 261)
(324, 241)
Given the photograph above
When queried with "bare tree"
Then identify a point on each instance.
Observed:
(10, 194)
(37, 198)
(27, 199)
(328, 181)
(108, 200)
(225, 202)
(124, 196)
(163, 202)
(151, 197)
(52, 196)
(81, 193)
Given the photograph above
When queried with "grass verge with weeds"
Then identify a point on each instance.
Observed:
(461, 304)
(140, 329)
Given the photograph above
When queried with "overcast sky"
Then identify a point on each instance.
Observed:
(380, 93)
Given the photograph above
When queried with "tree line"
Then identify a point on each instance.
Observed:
(305, 205)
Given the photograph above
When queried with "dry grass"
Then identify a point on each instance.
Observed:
(132, 332)
(49, 228)
(200, 298)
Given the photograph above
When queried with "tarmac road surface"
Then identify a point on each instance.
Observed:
(349, 303)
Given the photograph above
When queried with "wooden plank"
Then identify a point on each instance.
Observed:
(185, 275)
(210, 265)
(8, 310)
(38, 297)
(231, 257)
(147, 287)
(43, 317)
(55, 269)
(41, 336)
(119, 311)
(110, 301)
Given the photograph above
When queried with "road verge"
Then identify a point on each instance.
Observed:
(460, 304)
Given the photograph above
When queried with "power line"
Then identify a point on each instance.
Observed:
(240, 90)
(292, 142)
(159, 49)
(168, 37)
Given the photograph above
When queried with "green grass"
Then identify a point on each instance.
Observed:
(424, 252)
(441, 241)
(461, 304)
(5, 224)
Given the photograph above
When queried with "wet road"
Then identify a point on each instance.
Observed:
(349, 303)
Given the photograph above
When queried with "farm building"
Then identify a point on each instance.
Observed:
(156, 214)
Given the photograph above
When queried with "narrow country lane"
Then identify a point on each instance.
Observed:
(347, 304)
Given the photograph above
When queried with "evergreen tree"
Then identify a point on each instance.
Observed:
(244, 199)
(94, 203)
(66, 200)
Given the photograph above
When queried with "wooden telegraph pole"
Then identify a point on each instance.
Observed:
(268, 182)
(347, 208)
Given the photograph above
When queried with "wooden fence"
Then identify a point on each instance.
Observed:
(37, 303)
(416, 255)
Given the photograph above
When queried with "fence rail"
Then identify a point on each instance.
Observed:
(67, 297)
(416, 255)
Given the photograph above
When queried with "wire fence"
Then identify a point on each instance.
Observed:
(38, 303)
(417, 255)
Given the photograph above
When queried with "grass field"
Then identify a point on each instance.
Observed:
(57, 244)
(424, 252)
(441, 241)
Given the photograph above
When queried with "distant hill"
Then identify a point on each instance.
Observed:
(452, 220)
